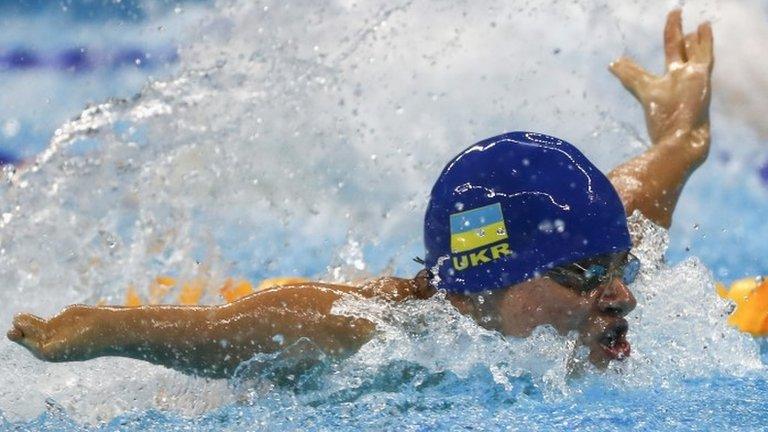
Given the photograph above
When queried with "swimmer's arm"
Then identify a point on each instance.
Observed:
(676, 107)
(208, 340)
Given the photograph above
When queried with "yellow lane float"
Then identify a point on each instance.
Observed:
(751, 298)
(190, 292)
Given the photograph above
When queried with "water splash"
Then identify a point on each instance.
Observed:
(256, 161)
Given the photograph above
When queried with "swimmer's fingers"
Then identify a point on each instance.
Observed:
(632, 76)
(705, 46)
(29, 331)
(15, 334)
(31, 326)
(692, 47)
(674, 50)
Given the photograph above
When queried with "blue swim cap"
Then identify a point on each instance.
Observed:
(510, 207)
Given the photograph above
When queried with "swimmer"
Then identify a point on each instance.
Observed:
(521, 231)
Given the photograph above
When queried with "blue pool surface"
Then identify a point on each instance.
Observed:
(472, 403)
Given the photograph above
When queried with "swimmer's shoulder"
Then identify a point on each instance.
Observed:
(398, 289)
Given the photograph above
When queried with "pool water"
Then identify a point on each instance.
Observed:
(302, 138)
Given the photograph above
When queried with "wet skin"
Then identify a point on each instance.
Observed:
(597, 314)
(213, 340)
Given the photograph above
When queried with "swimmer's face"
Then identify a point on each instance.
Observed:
(596, 311)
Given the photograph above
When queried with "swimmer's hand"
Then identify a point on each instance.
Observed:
(676, 107)
(676, 104)
(63, 338)
(28, 331)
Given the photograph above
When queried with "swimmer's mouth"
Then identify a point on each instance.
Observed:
(614, 341)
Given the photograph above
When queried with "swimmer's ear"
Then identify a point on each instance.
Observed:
(632, 76)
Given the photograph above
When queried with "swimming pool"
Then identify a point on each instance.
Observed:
(301, 139)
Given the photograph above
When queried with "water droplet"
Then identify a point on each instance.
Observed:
(108, 238)
(559, 225)
(11, 128)
(279, 339)
(546, 226)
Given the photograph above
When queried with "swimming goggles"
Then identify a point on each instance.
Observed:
(585, 277)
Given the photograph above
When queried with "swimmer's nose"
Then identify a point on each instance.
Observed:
(616, 299)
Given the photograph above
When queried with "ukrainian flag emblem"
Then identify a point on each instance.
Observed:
(476, 228)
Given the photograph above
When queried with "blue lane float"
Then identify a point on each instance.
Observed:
(80, 59)
(763, 172)
(7, 158)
